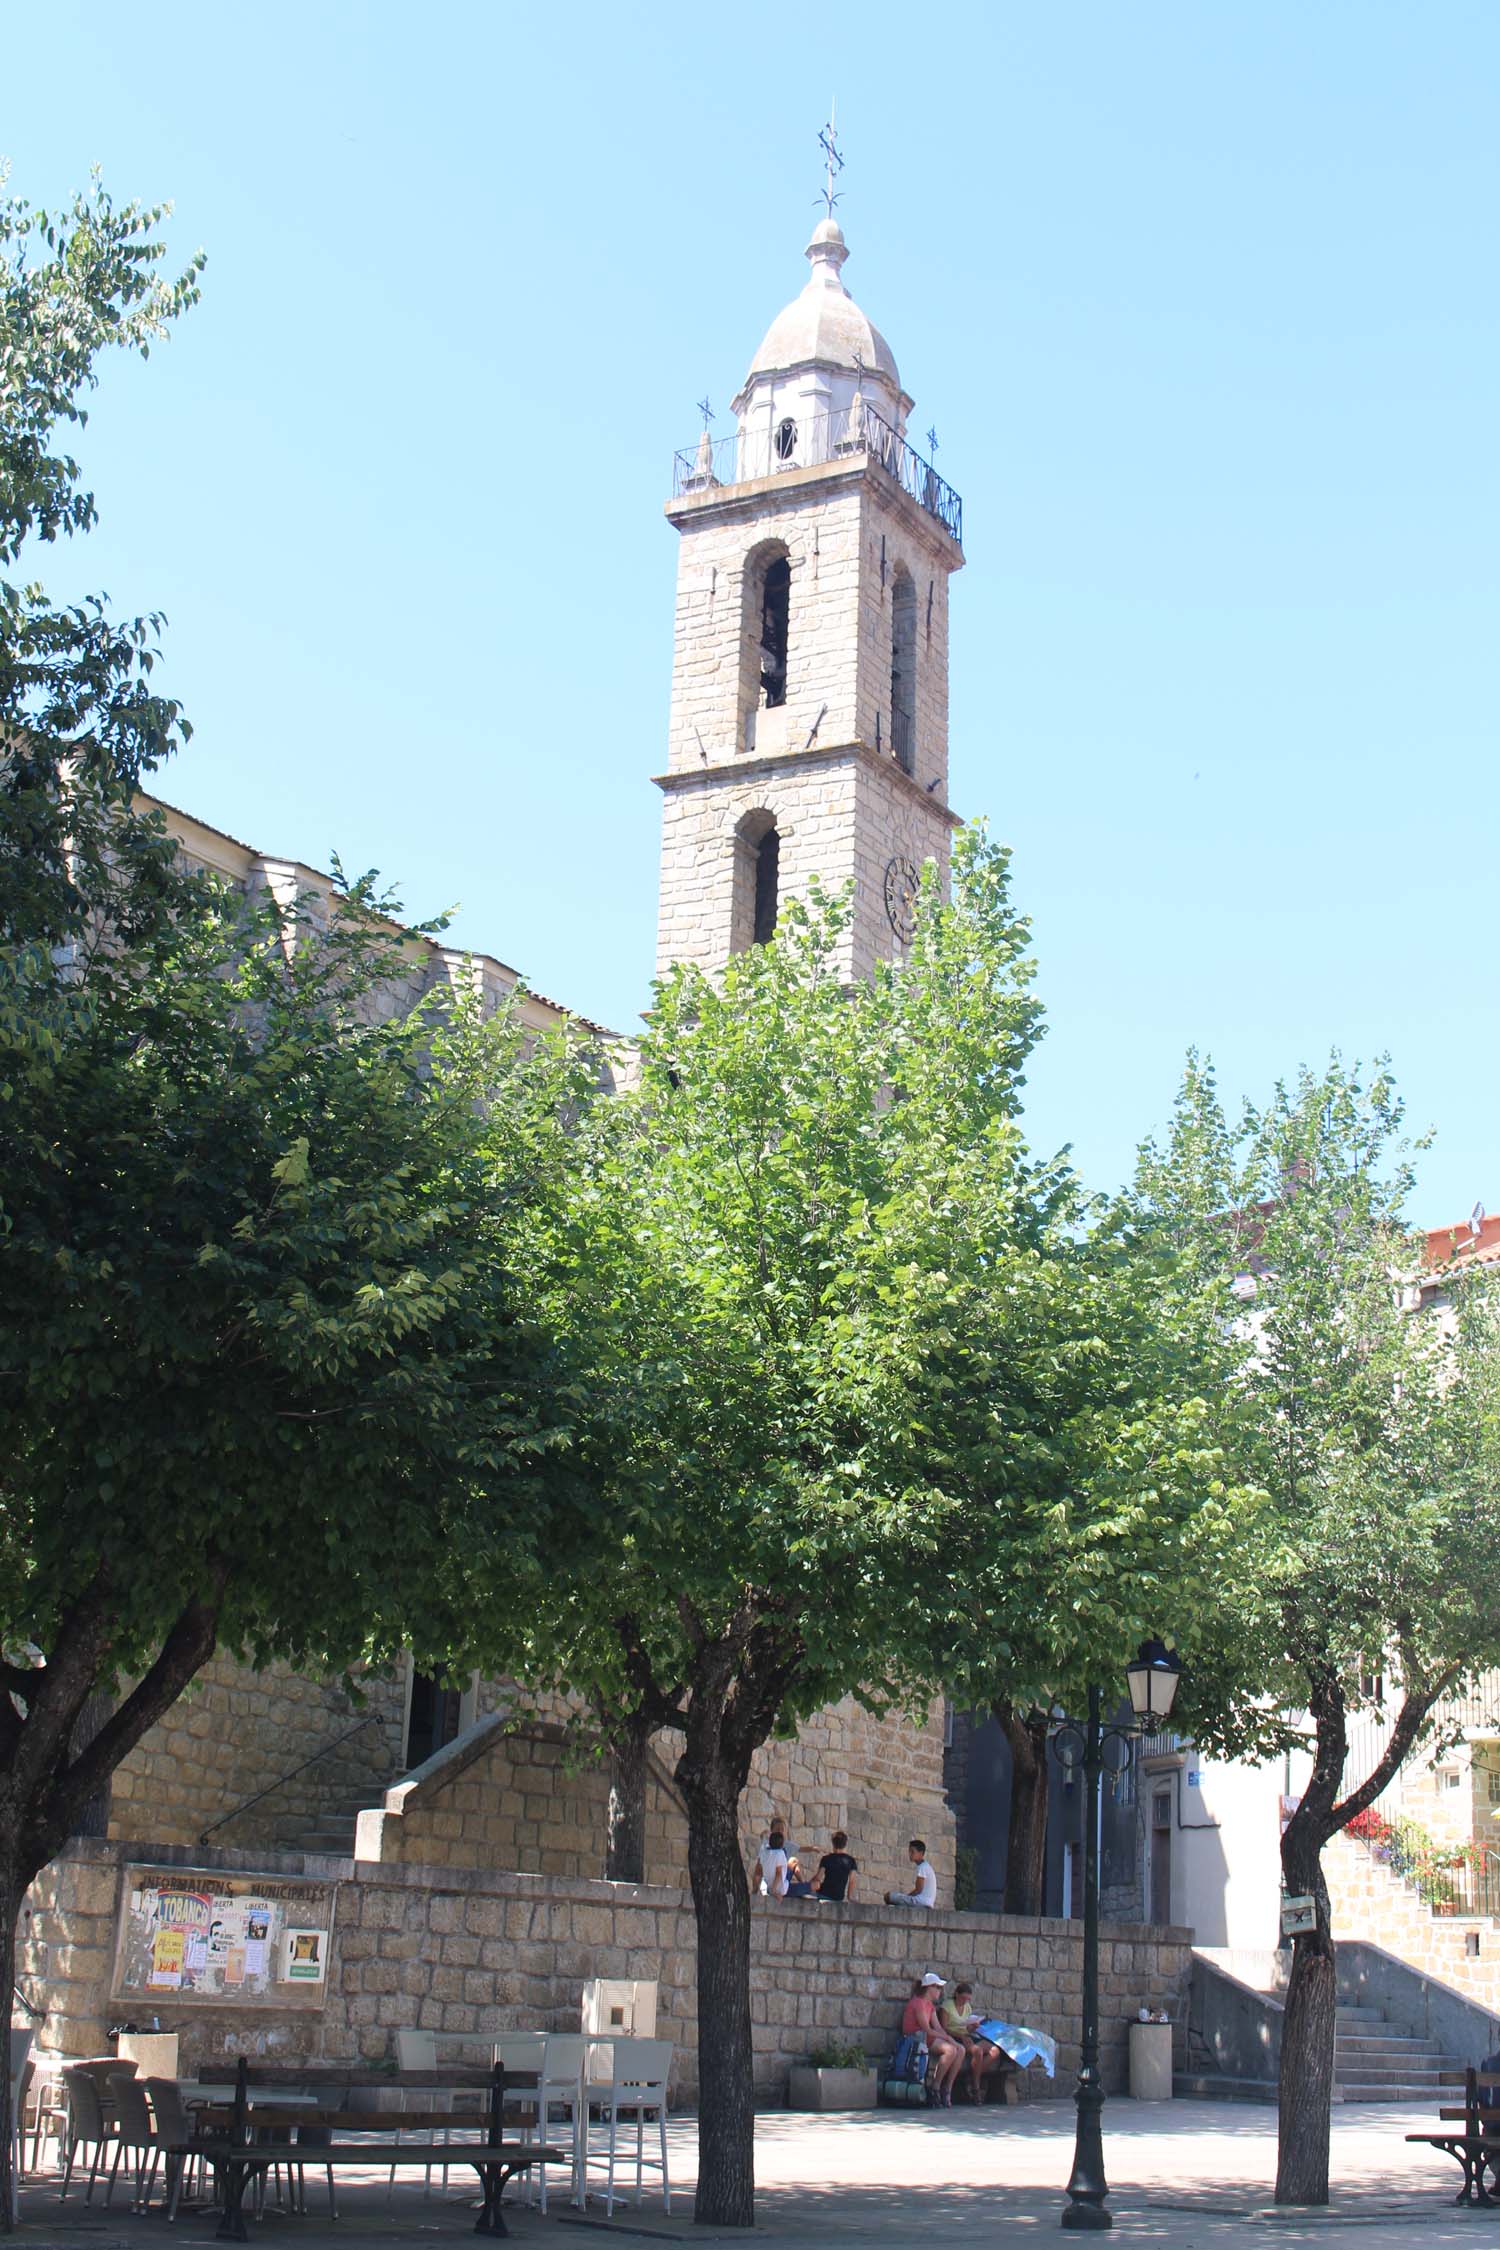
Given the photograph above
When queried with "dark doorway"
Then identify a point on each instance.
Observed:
(436, 1715)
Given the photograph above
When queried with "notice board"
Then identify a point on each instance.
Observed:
(238, 1941)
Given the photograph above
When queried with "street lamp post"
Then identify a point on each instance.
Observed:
(1152, 1680)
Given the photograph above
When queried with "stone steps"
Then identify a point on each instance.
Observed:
(1375, 2060)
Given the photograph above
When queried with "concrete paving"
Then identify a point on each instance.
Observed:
(1184, 2175)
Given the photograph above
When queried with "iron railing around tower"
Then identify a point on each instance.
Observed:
(808, 442)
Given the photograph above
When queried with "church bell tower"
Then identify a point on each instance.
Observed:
(809, 721)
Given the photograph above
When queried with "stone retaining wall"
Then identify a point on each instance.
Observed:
(1369, 1900)
(460, 1951)
(235, 1732)
(527, 1798)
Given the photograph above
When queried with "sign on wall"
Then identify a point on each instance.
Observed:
(231, 1940)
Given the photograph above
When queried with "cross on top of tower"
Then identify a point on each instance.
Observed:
(932, 439)
(705, 410)
(833, 162)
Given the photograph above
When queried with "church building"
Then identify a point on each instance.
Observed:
(808, 739)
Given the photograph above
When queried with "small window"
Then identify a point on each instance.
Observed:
(1494, 1788)
(767, 885)
(1161, 1809)
(774, 618)
(756, 877)
(904, 671)
(786, 440)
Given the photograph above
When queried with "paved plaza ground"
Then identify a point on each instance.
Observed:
(1189, 2175)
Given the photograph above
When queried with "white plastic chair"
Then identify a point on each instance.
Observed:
(561, 2087)
(637, 2088)
(614, 2008)
(20, 2067)
(524, 2051)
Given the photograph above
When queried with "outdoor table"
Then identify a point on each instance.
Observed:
(238, 2157)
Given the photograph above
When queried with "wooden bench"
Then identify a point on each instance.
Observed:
(1471, 2136)
(231, 2146)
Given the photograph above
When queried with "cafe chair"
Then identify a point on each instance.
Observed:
(48, 2106)
(19, 2061)
(174, 2138)
(417, 2050)
(86, 2126)
(135, 2133)
(561, 2086)
(637, 2089)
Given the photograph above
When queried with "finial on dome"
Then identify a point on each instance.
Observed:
(827, 251)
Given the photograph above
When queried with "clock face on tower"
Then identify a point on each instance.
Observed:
(902, 884)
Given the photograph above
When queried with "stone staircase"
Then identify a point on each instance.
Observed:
(331, 1830)
(1235, 2024)
(1377, 2061)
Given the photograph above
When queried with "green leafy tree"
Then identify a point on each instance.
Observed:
(1370, 1427)
(817, 1291)
(261, 1323)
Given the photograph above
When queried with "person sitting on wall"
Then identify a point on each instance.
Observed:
(797, 1884)
(923, 1891)
(837, 1870)
(769, 1874)
(945, 2057)
(961, 2022)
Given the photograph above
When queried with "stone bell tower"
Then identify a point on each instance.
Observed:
(809, 724)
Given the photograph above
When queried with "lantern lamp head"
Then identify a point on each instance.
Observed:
(1153, 1680)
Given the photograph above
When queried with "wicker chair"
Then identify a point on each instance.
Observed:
(86, 2126)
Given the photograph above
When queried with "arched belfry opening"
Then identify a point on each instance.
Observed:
(904, 669)
(757, 881)
(766, 627)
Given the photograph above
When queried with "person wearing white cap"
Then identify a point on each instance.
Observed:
(945, 2057)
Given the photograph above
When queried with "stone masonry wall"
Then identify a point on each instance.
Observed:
(461, 1952)
(822, 763)
(235, 1732)
(1369, 1901)
(533, 1803)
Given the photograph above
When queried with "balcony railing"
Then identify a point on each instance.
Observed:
(809, 442)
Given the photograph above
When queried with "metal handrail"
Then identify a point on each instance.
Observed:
(271, 1787)
(805, 443)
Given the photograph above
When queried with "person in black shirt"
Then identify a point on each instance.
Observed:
(836, 1871)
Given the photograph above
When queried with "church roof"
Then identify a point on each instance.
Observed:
(824, 324)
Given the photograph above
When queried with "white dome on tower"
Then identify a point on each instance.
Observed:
(821, 351)
(824, 325)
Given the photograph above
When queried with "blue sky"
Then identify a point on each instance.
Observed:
(1201, 300)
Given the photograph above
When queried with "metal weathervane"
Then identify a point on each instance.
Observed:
(706, 411)
(833, 162)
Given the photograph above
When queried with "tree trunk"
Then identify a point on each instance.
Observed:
(625, 1849)
(93, 1819)
(12, 1891)
(1305, 2088)
(726, 2075)
(1026, 1839)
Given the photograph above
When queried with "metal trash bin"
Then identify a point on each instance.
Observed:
(1151, 2062)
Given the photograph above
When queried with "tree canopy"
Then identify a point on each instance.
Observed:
(868, 1406)
(263, 1337)
(1369, 1425)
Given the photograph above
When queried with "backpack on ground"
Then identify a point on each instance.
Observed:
(905, 2081)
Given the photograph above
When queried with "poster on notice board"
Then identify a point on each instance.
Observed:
(237, 1941)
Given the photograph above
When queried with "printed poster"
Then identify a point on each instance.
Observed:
(245, 1941)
